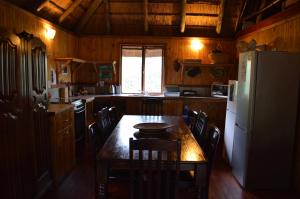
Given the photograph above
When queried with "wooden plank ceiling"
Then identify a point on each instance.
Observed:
(213, 18)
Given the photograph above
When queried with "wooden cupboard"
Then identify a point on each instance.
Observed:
(61, 123)
(24, 139)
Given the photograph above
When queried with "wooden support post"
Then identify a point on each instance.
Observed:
(107, 16)
(42, 5)
(70, 9)
(221, 16)
(92, 8)
(183, 14)
(146, 25)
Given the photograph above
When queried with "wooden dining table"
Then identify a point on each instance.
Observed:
(114, 154)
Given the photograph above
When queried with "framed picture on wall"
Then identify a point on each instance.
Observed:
(64, 70)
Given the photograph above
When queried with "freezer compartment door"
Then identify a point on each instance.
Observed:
(229, 134)
(240, 155)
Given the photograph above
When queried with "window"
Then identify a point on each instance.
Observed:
(142, 68)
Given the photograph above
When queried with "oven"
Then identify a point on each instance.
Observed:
(79, 119)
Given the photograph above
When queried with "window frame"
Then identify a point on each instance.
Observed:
(143, 47)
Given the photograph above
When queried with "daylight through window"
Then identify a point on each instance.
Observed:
(142, 68)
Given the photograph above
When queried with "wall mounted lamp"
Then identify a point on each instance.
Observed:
(50, 33)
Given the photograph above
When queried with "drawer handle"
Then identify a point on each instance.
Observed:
(66, 121)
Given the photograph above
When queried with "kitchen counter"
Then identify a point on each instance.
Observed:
(88, 98)
(57, 108)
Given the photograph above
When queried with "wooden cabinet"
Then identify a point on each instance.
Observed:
(214, 108)
(61, 122)
(133, 106)
(173, 107)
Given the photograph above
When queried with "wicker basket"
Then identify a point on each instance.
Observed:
(218, 58)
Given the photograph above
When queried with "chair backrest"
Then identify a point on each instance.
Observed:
(152, 106)
(154, 168)
(199, 129)
(193, 116)
(103, 122)
(113, 117)
(95, 138)
(213, 139)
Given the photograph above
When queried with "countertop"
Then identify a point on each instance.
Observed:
(57, 108)
(88, 98)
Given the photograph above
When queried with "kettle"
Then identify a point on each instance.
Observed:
(112, 89)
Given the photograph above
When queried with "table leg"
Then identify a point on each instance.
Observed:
(101, 181)
(201, 181)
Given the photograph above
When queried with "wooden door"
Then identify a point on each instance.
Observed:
(39, 103)
(16, 154)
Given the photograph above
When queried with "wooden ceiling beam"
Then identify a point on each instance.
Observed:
(107, 17)
(70, 9)
(166, 1)
(42, 5)
(183, 13)
(221, 16)
(254, 14)
(163, 14)
(146, 25)
(242, 10)
(91, 10)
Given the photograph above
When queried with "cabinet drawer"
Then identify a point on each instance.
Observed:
(64, 119)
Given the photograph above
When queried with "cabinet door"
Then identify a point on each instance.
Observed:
(16, 154)
(39, 111)
(173, 107)
(59, 156)
(69, 148)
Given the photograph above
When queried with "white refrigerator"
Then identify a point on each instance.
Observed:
(230, 118)
(266, 112)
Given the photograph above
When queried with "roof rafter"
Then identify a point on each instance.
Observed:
(42, 5)
(93, 7)
(146, 24)
(107, 16)
(70, 9)
(183, 14)
(221, 16)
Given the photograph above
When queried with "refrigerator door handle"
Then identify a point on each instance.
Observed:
(237, 125)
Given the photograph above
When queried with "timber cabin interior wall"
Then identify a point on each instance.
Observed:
(282, 36)
(17, 20)
(107, 48)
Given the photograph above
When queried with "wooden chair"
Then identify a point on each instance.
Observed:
(113, 117)
(152, 106)
(187, 180)
(192, 117)
(214, 135)
(104, 122)
(199, 129)
(96, 140)
(154, 168)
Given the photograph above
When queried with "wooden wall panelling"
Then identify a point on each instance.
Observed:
(107, 48)
(65, 44)
(282, 36)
